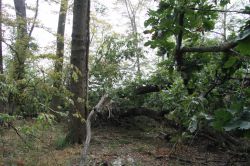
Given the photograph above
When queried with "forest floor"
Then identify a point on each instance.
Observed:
(109, 146)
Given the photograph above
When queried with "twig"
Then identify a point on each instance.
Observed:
(50, 109)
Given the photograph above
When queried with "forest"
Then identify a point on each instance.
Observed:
(124, 82)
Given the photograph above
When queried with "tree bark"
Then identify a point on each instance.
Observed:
(22, 40)
(1, 39)
(79, 59)
(1, 54)
(178, 53)
(59, 51)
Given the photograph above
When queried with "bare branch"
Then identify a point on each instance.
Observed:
(34, 19)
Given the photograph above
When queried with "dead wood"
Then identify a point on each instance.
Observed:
(147, 89)
(102, 103)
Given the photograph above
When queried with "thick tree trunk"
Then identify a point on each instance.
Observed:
(22, 40)
(79, 59)
(1, 54)
(1, 38)
(59, 51)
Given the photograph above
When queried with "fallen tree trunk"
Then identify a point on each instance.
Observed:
(150, 88)
(147, 89)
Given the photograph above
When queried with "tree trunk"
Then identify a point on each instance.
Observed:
(22, 40)
(1, 54)
(1, 38)
(79, 59)
(59, 51)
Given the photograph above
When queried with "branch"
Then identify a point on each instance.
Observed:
(147, 89)
(12, 49)
(222, 11)
(17, 132)
(102, 103)
(222, 48)
(35, 17)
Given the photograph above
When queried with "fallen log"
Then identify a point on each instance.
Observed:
(147, 89)
(144, 89)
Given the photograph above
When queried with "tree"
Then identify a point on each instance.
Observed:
(59, 50)
(132, 11)
(1, 38)
(206, 71)
(22, 40)
(79, 61)
(1, 53)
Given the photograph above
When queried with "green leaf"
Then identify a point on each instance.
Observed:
(75, 76)
(148, 43)
(208, 25)
(243, 46)
(230, 62)
(221, 118)
(224, 2)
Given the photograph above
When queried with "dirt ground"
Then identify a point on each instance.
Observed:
(111, 146)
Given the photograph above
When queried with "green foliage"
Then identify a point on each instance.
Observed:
(221, 117)
(7, 117)
(163, 22)
(243, 46)
(207, 87)
(41, 123)
(111, 65)
(230, 62)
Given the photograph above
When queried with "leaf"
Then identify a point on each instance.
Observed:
(148, 43)
(208, 25)
(221, 118)
(75, 76)
(224, 2)
(206, 116)
(243, 46)
(192, 127)
(230, 62)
